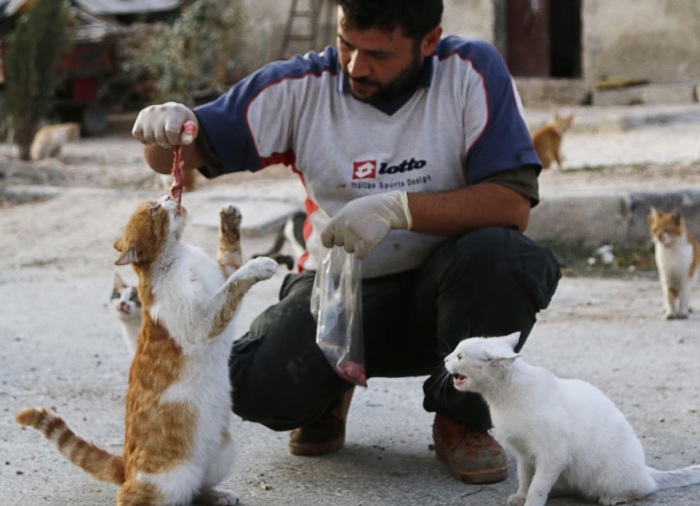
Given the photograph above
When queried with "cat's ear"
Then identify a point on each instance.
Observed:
(118, 282)
(512, 339)
(129, 255)
(677, 215)
(653, 214)
(504, 362)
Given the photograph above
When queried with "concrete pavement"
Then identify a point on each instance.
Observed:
(62, 348)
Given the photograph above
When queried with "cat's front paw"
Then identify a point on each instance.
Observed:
(516, 500)
(259, 268)
(230, 218)
(217, 497)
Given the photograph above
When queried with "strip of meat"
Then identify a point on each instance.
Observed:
(189, 132)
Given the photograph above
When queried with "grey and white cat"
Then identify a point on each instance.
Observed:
(568, 436)
(125, 303)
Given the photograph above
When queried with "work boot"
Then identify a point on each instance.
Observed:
(325, 435)
(473, 457)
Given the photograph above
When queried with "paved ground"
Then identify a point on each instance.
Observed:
(62, 348)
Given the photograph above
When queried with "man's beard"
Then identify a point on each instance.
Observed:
(402, 83)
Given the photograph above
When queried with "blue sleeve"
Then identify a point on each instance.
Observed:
(505, 143)
(226, 123)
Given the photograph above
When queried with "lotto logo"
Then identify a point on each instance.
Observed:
(364, 170)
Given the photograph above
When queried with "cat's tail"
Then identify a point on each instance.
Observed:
(100, 464)
(677, 478)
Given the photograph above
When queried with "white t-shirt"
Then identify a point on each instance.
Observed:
(463, 123)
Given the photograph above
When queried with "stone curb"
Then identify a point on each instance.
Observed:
(615, 217)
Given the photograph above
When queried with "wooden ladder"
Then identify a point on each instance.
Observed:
(302, 26)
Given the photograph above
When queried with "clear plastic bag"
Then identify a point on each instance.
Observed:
(336, 303)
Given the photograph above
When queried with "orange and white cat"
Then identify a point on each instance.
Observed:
(177, 445)
(547, 139)
(49, 140)
(677, 255)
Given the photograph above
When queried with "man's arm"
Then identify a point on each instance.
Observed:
(477, 206)
(364, 222)
(161, 159)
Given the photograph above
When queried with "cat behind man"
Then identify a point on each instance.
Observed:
(677, 256)
(292, 232)
(567, 435)
(547, 139)
(177, 445)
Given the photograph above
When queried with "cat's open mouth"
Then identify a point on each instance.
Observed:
(458, 378)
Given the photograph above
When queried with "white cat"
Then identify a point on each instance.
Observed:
(568, 437)
(125, 303)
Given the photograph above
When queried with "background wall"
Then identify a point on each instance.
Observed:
(654, 39)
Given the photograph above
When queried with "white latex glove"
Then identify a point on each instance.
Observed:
(162, 125)
(363, 223)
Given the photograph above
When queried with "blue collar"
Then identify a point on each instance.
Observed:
(391, 106)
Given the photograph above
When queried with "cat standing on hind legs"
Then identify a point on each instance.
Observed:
(567, 435)
(177, 444)
(677, 256)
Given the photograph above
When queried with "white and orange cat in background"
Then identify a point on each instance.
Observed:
(177, 444)
(547, 139)
(677, 255)
(50, 139)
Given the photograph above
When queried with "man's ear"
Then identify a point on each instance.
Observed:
(430, 41)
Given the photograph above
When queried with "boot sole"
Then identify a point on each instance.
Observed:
(316, 449)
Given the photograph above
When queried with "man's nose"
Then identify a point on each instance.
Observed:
(358, 66)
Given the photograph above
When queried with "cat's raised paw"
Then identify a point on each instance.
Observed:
(258, 269)
(217, 497)
(263, 267)
(230, 218)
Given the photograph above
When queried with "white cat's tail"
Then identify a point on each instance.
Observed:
(100, 464)
(677, 478)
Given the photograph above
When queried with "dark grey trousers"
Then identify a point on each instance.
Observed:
(486, 283)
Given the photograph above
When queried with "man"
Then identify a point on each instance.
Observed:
(415, 156)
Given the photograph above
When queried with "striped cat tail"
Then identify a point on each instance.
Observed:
(100, 464)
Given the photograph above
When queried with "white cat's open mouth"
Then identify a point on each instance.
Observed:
(458, 378)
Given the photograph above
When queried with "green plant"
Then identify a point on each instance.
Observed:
(34, 49)
(192, 54)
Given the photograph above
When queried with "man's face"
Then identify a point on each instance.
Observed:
(381, 65)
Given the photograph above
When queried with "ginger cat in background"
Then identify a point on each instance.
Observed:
(547, 139)
(49, 140)
(177, 444)
(677, 255)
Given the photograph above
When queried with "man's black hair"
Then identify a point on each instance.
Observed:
(415, 17)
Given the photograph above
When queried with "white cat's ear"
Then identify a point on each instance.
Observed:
(512, 339)
(118, 281)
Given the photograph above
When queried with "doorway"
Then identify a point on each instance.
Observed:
(543, 37)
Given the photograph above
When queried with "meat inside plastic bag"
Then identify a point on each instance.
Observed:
(336, 303)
